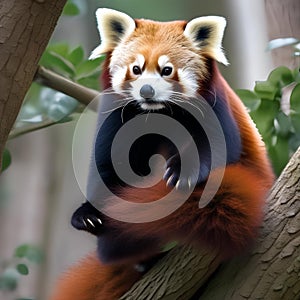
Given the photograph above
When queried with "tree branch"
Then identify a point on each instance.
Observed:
(59, 83)
(271, 271)
(178, 276)
(15, 132)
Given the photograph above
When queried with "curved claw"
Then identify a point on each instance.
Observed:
(167, 174)
(189, 182)
(90, 222)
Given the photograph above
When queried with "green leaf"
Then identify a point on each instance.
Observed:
(32, 253)
(89, 67)
(71, 9)
(21, 251)
(76, 56)
(281, 42)
(22, 269)
(295, 120)
(265, 90)
(91, 82)
(6, 160)
(282, 124)
(294, 142)
(281, 76)
(295, 99)
(264, 116)
(279, 154)
(58, 63)
(249, 98)
(296, 74)
(9, 279)
(60, 48)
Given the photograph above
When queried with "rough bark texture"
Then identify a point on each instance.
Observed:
(178, 276)
(25, 29)
(270, 272)
(283, 18)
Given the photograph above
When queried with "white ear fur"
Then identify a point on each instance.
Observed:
(207, 33)
(112, 26)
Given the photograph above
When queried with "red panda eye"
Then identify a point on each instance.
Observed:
(136, 70)
(166, 71)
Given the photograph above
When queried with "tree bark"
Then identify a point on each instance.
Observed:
(25, 29)
(283, 20)
(270, 272)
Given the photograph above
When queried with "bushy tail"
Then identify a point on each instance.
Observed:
(90, 280)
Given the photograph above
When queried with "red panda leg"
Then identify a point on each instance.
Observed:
(90, 280)
(230, 222)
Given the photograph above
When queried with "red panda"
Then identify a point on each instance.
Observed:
(159, 66)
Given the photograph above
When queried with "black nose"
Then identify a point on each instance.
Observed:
(147, 91)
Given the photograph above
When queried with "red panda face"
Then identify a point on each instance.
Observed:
(154, 63)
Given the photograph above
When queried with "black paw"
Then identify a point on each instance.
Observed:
(172, 172)
(87, 218)
(174, 178)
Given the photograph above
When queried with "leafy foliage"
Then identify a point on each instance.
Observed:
(72, 64)
(44, 106)
(71, 9)
(18, 266)
(6, 160)
(274, 105)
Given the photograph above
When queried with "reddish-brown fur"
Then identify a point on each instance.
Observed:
(229, 222)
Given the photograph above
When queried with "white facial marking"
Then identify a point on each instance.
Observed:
(118, 75)
(140, 60)
(162, 61)
(189, 82)
(152, 106)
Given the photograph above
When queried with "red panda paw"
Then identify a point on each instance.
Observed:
(87, 218)
(175, 177)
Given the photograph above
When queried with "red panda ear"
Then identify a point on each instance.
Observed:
(113, 26)
(207, 33)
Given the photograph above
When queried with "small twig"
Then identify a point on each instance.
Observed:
(15, 132)
(59, 83)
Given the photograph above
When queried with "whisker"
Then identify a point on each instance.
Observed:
(147, 116)
(122, 112)
(111, 110)
(190, 103)
(170, 107)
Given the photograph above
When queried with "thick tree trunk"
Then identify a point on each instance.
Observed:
(25, 29)
(270, 272)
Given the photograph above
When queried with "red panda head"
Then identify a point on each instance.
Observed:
(154, 61)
